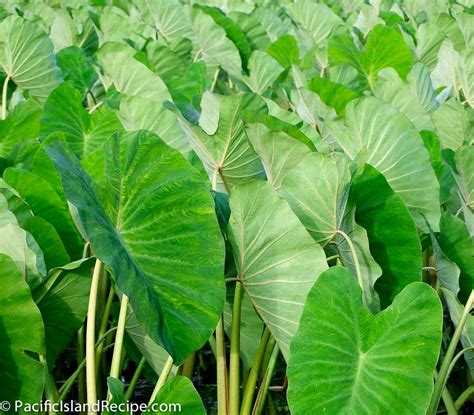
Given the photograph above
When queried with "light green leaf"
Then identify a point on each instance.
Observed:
(166, 16)
(452, 124)
(138, 113)
(21, 338)
(26, 56)
(285, 51)
(212, 45)
(364, 364)
(394, 148)
(264, 71)
(210, 113)
(130, 76)
(466, 75)
(155, 202)
(268, 241)
(414, 97)
(227, 155)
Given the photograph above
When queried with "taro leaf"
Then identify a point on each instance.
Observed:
(179, 391)
(452, 124)
(138, 113)
(447, 271)
(414, 97)
(64, 113)
(464, 176)
(75, 67)
(364, 364)
(325, 180)
(276, 259)
(154, 354)
(21, 338)
(166, 16)
(394, 148)
(44, 202)
(279, 152)
(384, 48)
(264, 71)
(285, 51)
(466, 75)
(210, 113)
(394, 244)
(26, 56)
(20, 245)
(21, 125)
(62, 299)
(211, 43)
(233, 32)
(467, 335)
(227, 155)
(316, 20)
(251, 327)
(130, 76)
(457, 244)
(253, 28)
(333, 94)
(176, 294)
(49, 241)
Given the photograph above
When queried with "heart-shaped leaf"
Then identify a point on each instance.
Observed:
(364, 364)
(157, 229)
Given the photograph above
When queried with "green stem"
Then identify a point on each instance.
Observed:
(221, 369)
(249, 391)
(212, 345)
(356, 264)
(215, 78)
(115, 367)
(4, 97)
(90, 337)
(263, 391)
(81, 391)
(64, 390)
(447, 399)
(103, 325)
(50, 390)
(188, 366)
(136, 376)
(445, 366)
(464, 397)
(234, 367)
(162, 379)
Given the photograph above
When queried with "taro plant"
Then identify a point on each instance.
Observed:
(246, 207)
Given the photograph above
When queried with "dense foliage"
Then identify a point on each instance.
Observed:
(238, 206)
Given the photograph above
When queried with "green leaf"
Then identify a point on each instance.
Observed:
(26, 56)
(44, 202)
(180, 391)
(384, 48)
(264, 71)
(64, 113)
(364, 364)
(285, 51)
(456, 243)
(21, 338)
(392, 233)
(155, 200)
(268, 240)
(227, 155)
(19, 245)
(22, 124)
(394, 148)
(63, 299)
(333, 94)
(75, 67)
